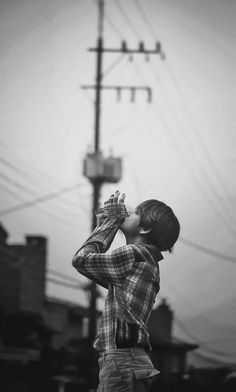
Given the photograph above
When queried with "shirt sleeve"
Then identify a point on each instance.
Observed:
(90, 259)
(104, 268)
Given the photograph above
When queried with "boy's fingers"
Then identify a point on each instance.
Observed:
(116, 196)
(122, 198)
(111, 198)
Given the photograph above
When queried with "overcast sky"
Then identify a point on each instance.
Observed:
(180, 148)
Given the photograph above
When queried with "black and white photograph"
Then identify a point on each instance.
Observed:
(117, 195)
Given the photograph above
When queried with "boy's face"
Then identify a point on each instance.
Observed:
(131, 222)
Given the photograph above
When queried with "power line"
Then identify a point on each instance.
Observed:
(204, 174)
(213, 359)
(38, 200)
(193, 337)
(65, 284)
(73, 281)
(208, 179)
(204, 347)
(25, 164)
(9, 191)
(63, 218)
(186, 111)
(127, 18)
(218, 210)
(145, 18)
(116, 30)
(15, 183)
(114, 27)
(208, 251)
(62, 275)
(113, 65)
(219, 179)
(33, 180)
(185, 241)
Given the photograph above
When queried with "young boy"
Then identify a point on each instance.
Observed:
(131, 275)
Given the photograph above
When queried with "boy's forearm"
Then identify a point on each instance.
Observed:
(110, 218)
(100, 240)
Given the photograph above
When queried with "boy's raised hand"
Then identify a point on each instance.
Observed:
(116, 198)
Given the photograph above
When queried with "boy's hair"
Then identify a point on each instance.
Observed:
(164, 225)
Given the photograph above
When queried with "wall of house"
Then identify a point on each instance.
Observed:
(23, 268)
(9, 285)
(59, 316)
(33, 270)
(160, 322)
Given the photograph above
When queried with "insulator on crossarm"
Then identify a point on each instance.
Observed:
(131, 58)
(147, 57)
(149, 91)
(124, 46)
(141, 46)
(158, 47)
(163, 56)
(118, 93)
(132, 97)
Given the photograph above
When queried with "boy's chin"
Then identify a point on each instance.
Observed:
(121, 229)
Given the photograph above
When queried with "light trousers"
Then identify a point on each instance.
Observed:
(125, 370)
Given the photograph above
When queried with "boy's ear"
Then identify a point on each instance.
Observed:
(144, 231)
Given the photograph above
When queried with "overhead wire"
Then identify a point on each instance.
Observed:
(204, 173)
(55, 212)
(223, 185)
(127, 18)
(203, 346)
(60, 210)
(220, 181)
(113, 65)
(115, 29)
(62, 275)
(32, 175)
(67, 281)
(67, 211)
(38, 200)
(195, 339)
(210, 252)
(214, 359)
(218, 210)
(145, 18)
(21, 162)
(49, 212)
(206, 250)
(65, 284)
(177, 145)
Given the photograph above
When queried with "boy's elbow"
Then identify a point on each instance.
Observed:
(77, 261)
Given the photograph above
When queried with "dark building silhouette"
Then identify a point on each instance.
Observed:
(34, 329)
(23, 268)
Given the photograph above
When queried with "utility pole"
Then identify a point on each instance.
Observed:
(97, 182)
(97, 168)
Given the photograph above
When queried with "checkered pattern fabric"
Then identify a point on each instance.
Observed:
(131, 275)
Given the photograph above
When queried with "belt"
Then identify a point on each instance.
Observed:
(130, 345)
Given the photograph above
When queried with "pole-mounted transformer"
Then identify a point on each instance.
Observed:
(102, 169)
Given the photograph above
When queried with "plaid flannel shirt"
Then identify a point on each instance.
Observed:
(131, 275)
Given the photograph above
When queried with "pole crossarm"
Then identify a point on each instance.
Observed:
(124, 49)
(119, 89)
